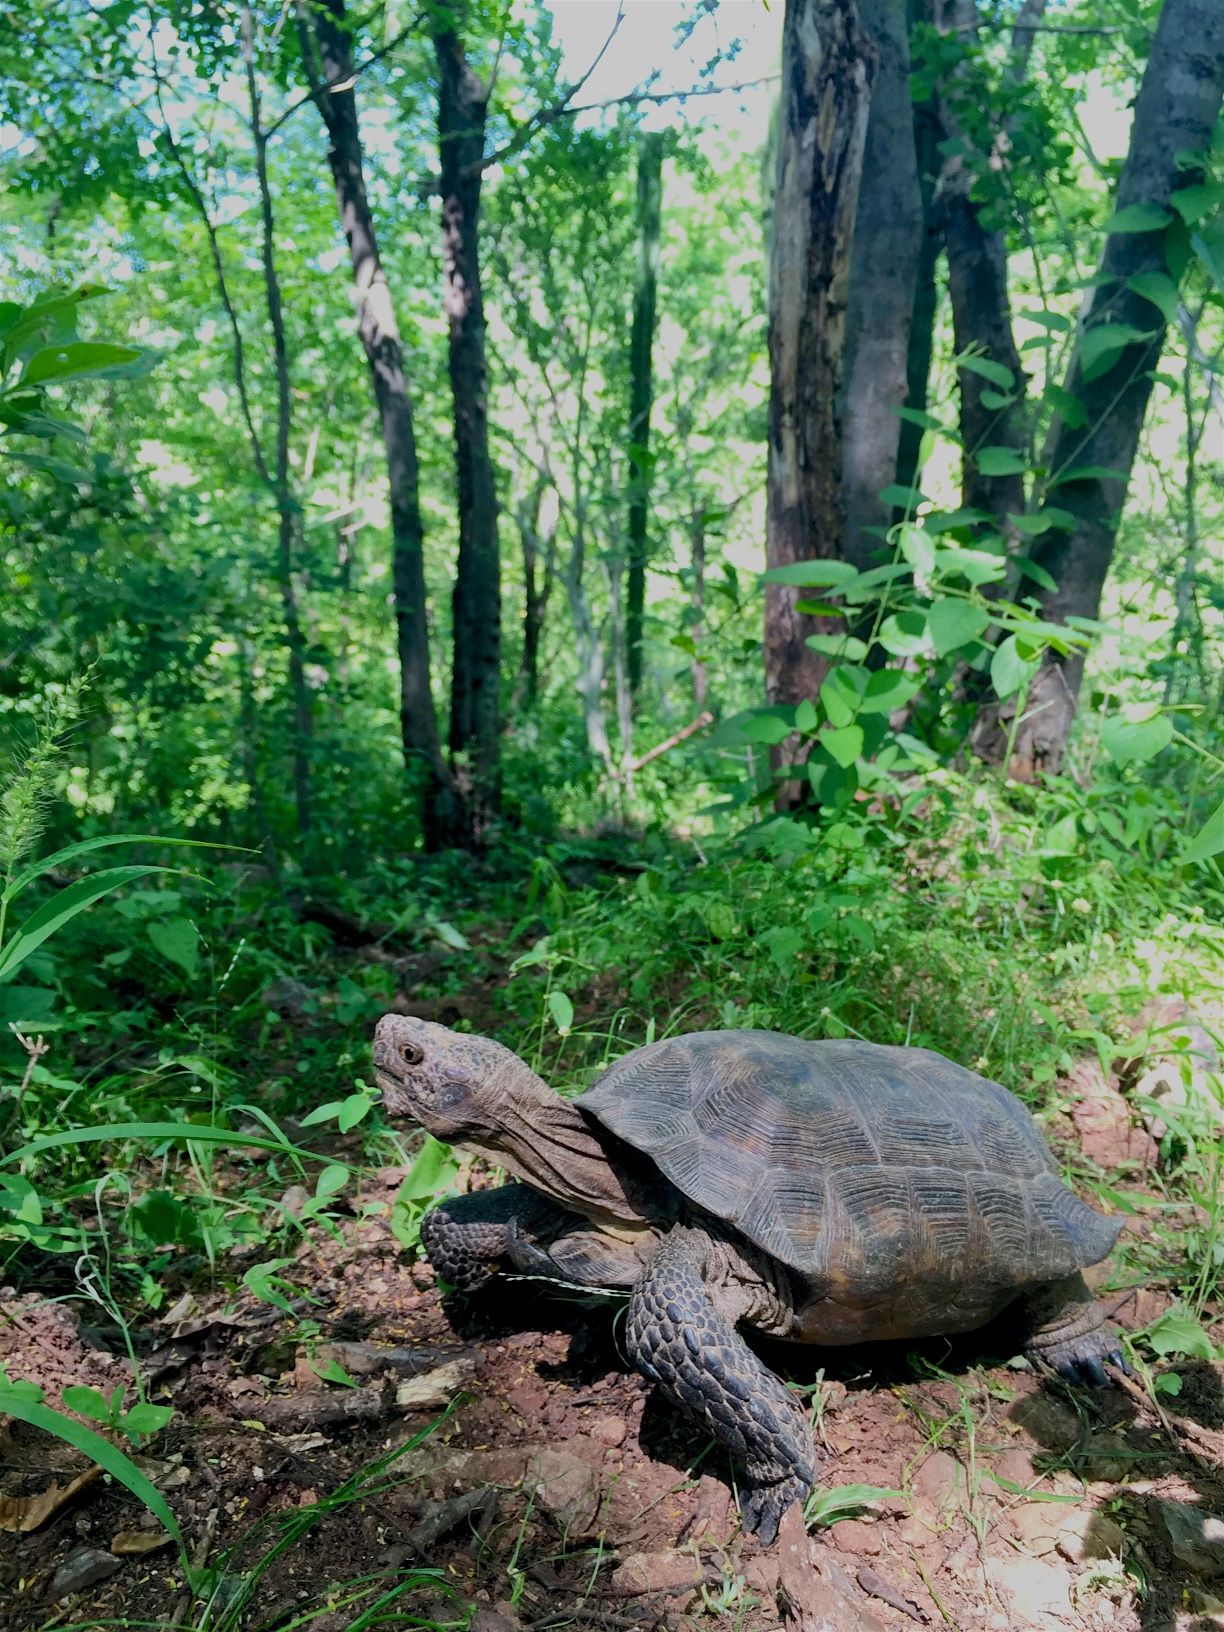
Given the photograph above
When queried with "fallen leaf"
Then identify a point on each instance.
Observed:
(131, 1543)
(21, 1514)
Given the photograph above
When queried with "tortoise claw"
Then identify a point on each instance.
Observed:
(762, 1506)
(526, 1256)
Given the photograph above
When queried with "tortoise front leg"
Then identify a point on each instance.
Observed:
(467, 1238)
(679, 1338)
(1068, 1331)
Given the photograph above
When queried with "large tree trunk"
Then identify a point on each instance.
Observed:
(883, 280)
(641, 388)
(991, 415)
(287, 507)
(1175, 114)
(323, 25)
(827, 63)
(927, 135)
(463, 101)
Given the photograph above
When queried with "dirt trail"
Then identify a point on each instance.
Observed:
(559, 1491)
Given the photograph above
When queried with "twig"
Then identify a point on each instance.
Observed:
(677, 737)
(198, 1560)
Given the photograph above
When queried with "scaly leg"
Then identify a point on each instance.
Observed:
(467, 1238)
(680, 1339)
(1068, 1331)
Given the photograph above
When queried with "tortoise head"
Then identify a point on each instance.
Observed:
(451, 1083)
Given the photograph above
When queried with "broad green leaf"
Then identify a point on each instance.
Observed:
(331, 1180)
(928, 422)
(111, 1460)
(1009, 670)
(1103, 344)
(1067, 406)
(951, 521)
(954, 623)
(353, 1110)
(904, 634)
(1038, 574)
(1158, 288)
(996, 373)
(1135, 739)
(839, 697)
(825, 1507)
(1088, 473)
(1000, 462)
(903, 498)
(178, 940)
(562, 1011)
(1177, 1332)
(76, 361)
(1209, 840)
(1139, 218)
(764, 728)
(844, 745)
(978, 566)
(145, 1419)
(1032, 526)
(888, 689)
(87, 1402)
(431, 1174)
(850, 647)
(1194, 203)
(61, 909)
(918, 548)
(832, 573)
(1048, 320)
(806, 716)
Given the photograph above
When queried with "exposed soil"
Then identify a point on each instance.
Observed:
(558, 1491)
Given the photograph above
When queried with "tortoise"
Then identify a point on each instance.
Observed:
(824, 1192)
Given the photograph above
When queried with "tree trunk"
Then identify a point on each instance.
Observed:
(1175, 114)
(927, 135)
(827, 64)
(286, 505)
(883, 280)
(697, 535)
(586, 640)
(324, 24)
(990, 415)
(539, 547)
(641, 388)
(476, 676)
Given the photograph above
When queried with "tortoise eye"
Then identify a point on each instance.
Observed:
(410, 1054)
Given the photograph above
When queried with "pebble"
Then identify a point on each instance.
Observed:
(609, 1431)
(84, 1568)
(1197, 1536)
(640, 1573)
(856, 1536)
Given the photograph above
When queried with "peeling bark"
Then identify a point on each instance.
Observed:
(883, 278)
(827, 66)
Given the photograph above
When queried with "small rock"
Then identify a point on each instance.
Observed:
(500, 1619)
(1086, 1532)
(434, 1389)
(609, 1431)
(1016, 1466)
(82, 1569)
(1037, 1527)
(856, 1536)
(287, 996)
(934, 1486)
(1038, 1591)
(1107, 1459)
(567, 1488)
(1197, 1537)
(671, 1571)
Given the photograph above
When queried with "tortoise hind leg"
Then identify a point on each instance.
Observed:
(1068, 1331)
(680, 1339)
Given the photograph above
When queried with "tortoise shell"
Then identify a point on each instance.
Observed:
(853, 1160)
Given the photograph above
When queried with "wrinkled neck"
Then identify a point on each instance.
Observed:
(548, 1143)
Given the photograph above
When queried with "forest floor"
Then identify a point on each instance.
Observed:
(498, 1455)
